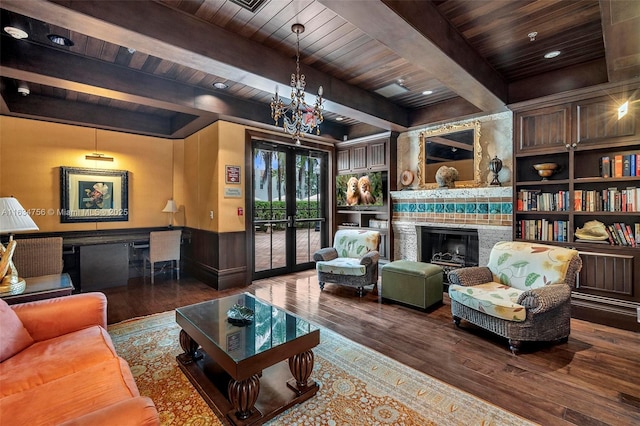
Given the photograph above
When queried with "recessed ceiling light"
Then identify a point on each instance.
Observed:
(427, 92)
(16, 32)
(61, 40)
(552, 54)
(220, 85)
(339, 118)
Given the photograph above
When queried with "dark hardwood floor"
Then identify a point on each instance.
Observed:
(594, 379)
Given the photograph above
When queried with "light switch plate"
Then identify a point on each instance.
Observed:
(638, 310)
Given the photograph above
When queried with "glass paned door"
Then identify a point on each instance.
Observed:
(289, 193)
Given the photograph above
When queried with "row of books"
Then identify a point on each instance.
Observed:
(607, 200)
(529, 200)
(620, 165)
(542, 230)
(621, 234)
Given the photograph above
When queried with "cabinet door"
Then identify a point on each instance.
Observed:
(343, 160)
(358, 157)
(376, 155)
(597, 121)
(544, 128)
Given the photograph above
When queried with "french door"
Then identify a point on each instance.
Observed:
(289, 207)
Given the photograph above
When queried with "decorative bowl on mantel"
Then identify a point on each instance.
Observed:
(546, 170)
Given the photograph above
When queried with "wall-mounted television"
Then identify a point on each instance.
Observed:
(361, 191)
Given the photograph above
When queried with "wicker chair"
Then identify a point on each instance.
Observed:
(34, 257)
(523, 294)
(164, 246)
(352, 261)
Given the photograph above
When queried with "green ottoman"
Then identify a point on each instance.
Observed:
(416, 284)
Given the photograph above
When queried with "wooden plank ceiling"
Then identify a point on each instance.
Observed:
(148, 66)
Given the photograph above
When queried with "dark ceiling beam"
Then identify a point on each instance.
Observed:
(430, 42)
(63, 111)
(570, 78)
(457, 108)
(621, 25)
(146, 25)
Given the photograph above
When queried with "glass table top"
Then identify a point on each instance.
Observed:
(271, 326)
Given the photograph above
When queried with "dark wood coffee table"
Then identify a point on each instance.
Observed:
(240, 371)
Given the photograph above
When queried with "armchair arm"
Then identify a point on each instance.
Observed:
(545, 298)
(49, 318)
(371, 258)
(472, 275)
(133, 411)
(327, 253)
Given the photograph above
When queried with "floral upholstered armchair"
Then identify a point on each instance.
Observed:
(523, 294)
(352, 261)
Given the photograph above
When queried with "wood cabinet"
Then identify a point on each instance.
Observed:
(362, 157)
(541, 129)
(359, 156)
(576, 136)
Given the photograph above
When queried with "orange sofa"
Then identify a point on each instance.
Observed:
(58, 366)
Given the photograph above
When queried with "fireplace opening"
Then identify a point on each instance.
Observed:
(449, 248)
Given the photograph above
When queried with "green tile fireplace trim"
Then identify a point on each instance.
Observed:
(496, 212)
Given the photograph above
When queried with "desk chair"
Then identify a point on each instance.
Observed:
(38, 256)
(163, 246)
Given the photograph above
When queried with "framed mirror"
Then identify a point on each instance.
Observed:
(452, 145)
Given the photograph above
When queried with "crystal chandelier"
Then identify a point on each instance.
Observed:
(298, 117)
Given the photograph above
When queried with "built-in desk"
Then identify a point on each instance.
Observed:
(108, 259)
(42, 287)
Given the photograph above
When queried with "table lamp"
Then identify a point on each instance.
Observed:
(13, 218)
(170, 208)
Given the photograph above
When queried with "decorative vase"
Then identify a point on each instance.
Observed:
(446, 177)
(495, 166)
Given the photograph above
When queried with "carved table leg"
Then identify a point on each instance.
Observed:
(243, 395)
(190, 348)
(301, 366)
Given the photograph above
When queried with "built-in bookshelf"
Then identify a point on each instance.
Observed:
(596, 182)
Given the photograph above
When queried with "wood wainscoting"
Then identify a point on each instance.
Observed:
(217, 259)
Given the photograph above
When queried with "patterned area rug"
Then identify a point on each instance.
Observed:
(358, 386)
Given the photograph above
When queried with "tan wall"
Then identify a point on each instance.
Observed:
(231, 153)
(31, 153)
(206, 154)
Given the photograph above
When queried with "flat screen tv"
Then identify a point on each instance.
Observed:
(361, 191)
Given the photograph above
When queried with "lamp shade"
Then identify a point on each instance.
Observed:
(170, 207)
(14, 218)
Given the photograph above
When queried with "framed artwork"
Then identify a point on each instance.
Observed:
(93, 195)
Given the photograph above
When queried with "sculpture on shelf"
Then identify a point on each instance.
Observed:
(10, 282)
(446, 177)
(495, 165)
(592, 230)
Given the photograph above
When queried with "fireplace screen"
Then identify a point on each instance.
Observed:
(449, 248)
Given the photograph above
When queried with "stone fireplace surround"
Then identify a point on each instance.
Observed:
(486, 209)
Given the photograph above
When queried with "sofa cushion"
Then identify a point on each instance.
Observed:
(355, 243)
(71, 396)
(342, 266)
(495, 299)
(13, 336)
(527, 266)
(55, 358)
